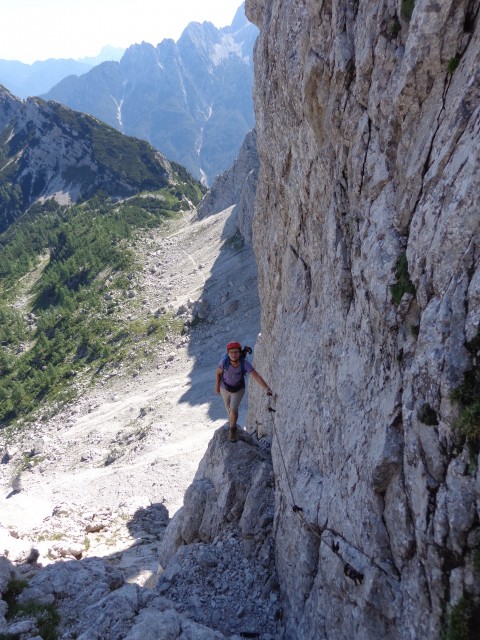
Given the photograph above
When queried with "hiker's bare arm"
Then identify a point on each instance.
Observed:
(218, 377)
(258, 378)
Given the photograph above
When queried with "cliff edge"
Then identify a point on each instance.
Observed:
(366, 233)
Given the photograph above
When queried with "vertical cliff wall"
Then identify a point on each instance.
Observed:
(366, 233)
(236, 186)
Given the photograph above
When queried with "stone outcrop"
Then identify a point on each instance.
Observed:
(217, 575)
(10, 106)
(219, 548)
(366, 234)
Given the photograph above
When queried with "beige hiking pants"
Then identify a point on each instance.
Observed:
(232, 400)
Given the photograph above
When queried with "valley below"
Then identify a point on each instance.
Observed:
(100, 478)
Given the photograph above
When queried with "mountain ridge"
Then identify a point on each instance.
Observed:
(34, 79)
(190, 99)
(50, 151)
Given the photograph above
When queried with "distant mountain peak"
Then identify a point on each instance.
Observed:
(107, 53)
(191, 99)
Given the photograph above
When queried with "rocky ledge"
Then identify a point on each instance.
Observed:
(216, 578)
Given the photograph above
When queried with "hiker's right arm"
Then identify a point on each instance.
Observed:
(218, 377)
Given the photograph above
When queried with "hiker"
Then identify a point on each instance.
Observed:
(230, 382)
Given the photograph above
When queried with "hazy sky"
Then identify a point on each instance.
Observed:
(39, 29)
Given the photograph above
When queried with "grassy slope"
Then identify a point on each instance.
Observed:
(64, 326)
(111, 162)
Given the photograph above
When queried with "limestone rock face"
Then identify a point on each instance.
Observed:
(366, 233)
(236, 186)
(218, 549)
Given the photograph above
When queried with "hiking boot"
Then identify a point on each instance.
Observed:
(232, 436)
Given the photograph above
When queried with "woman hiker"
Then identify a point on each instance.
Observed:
(230, 382)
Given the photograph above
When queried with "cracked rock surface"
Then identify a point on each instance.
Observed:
(366, 233)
